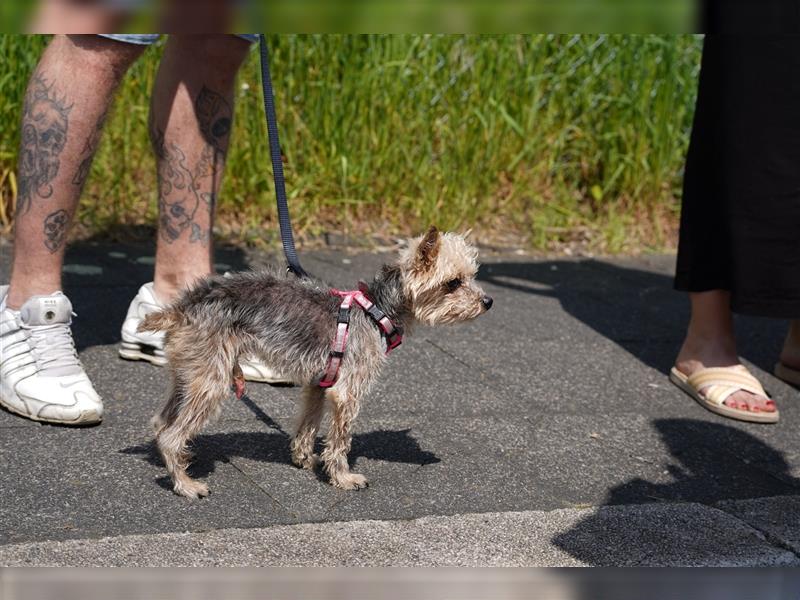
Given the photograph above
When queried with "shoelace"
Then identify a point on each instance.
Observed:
(54, 348)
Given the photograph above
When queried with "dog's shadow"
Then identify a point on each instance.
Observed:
(210, 449)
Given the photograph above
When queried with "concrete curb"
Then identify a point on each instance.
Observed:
(686, 534)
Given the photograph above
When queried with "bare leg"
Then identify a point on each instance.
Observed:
(337, 443)
(790, 354)
(67, 99)
(307, 427)
(190, 121)
(710, 342)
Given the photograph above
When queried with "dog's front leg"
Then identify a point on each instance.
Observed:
(344, 408)
(306, 433)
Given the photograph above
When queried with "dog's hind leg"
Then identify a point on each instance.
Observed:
(169, 411)
(193, 408)
(201, 384)
(344, 409)
(307, 426)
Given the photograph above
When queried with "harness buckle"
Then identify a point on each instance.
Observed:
(376, 313)
(393, 340)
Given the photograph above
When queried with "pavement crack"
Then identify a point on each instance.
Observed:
(261, 488)
(454, 357)
(768, 536)
(332, 505)
(419, 468)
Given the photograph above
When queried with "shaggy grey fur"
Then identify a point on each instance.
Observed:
(289, 324)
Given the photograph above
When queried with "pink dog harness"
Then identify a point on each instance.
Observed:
(393, 336)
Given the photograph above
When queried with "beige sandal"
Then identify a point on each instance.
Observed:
(721, 382)
(787, 374)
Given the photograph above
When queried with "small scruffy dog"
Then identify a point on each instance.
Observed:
(290, 324)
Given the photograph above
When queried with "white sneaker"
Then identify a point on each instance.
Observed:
(253, 370)
(149, 346)
(42, 376)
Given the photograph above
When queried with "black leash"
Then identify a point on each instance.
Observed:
(277, 164)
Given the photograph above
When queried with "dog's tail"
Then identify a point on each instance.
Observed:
(162, 320)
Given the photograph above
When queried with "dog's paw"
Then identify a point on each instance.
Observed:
(306, 461)
(350, 481)
(191, 489)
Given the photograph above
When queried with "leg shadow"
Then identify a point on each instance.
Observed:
(208, 450)
(635, 308)
(101, 278)
(713, 462)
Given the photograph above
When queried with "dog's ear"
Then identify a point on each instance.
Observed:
(428, 249)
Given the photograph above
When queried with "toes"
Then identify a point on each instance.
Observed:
(746, 401)
(750, 403)
(738, 401)
(758, 403)
(732, 403)
(764, 404)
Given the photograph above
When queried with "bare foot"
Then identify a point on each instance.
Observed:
(711, 342)
(694, 357)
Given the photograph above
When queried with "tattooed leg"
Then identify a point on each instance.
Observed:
(67, 98)
(190, 123)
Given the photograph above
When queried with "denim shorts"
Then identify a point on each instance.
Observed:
(145, 39)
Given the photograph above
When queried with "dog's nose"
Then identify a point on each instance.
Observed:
(487, 302)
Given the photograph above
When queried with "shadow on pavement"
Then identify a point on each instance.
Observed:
(394, 446)
(635, 308)
(713, 462)
(638, 310)
(384, 445)
(102, 278)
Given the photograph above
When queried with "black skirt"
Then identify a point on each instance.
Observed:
(740, 218)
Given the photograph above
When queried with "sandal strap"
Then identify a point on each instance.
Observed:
(721, 382)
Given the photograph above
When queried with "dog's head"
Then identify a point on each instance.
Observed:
(438, 272)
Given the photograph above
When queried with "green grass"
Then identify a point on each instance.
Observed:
(560, 139)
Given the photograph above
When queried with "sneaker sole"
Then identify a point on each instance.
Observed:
(146, 352)
(87, 417)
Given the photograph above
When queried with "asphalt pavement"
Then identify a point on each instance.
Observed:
(543, 433)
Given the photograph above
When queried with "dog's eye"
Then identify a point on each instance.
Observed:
(453, 285)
